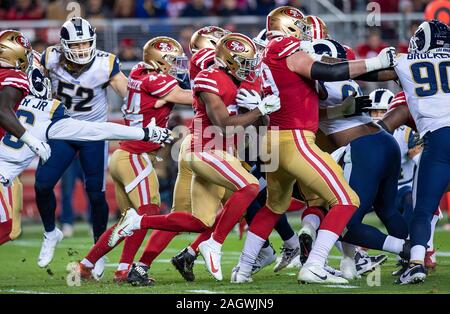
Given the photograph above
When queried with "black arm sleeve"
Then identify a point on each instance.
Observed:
(330, 72)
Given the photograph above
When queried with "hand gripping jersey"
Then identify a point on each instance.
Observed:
(404, 137)
(13, 78)
(400, 101)
(425, 81)
(216, 81)
(336, 92)
(144, 89)
(201, 60)
(298, 96)
(83, 95)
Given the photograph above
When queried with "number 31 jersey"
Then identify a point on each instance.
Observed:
(425, 81)
(83, 95)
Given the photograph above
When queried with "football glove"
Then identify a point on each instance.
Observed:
(156, 134)
(351, 106)
(385, 59)
(40, 148)
(251, 100)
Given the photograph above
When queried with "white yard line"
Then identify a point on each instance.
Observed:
(26, 291)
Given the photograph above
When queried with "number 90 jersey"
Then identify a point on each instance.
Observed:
(83, 95)
(425, 81)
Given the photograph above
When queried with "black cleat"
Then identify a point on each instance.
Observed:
(184, 263)
(306, 242)
(365, 263)
(415, 273)
(403, 265)
(406, 250)
(138, 276)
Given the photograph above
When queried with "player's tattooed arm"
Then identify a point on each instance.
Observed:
(177, 96)
(219, 116)
(394, 118)
(119, 83)
(378, 76)
(9, 97)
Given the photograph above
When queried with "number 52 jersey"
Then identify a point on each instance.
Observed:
(83, 95)
(425, 81)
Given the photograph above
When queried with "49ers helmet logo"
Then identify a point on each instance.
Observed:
(294, 13)
(164, 46)
(23, 42)
(235, 46)
(207, 30)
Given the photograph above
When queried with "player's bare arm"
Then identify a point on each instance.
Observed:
(395, 118)
(9, 96)
(177, 96)
(119, 83)
(378, 76)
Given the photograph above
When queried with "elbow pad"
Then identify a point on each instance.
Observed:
(330, 72)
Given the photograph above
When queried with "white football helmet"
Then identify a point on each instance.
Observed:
(381, 98)
(75, 31)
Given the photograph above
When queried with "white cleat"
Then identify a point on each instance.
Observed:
(265, 257)
(127, 223)
(348, 268)
(49, 244)
(332, 270)
(287, 256)
(239, 277)
(212, 257)
(318, 274)
(99, 269)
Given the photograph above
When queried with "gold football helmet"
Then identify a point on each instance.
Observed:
(15, 51)
(206, 37)
(285, 20)
(166, 55)
(238, 54)
(313, 28)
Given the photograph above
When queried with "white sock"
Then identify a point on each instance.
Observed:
(313, 220)
(433, 227)
(393, 244)
(292, 243)
(137, 224)
(51, 234)
(87, 263)
(191, 251)
(252, 246)
(348, 250)
(338, 245)
(322, 247)
(417, 253)
(216, 245)
(123, 266)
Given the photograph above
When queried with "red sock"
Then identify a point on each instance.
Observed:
(296, 205)
(177, 221)
(157, 242)
(233, 209)
(133, 243)
(5, 230)
(264, 222)
(337, 218)
(314, 210)
(101, 248)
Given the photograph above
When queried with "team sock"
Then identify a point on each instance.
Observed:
(157, 242)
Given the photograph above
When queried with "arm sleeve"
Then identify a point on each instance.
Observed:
(330, 72)
(77, 130)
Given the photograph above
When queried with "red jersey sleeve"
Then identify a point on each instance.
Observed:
(16, 79)
(159, 85)
(207, 81)
(201, 60)
(282, 47)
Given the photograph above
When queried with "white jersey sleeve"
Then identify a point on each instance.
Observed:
(336, 92)
(404, 136)
(425, 81)
(83, 94)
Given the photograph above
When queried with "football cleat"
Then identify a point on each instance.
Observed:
(317, 274)
(239, 277)
(415, 273)
(295, 263)
(306, 237)
(333, 271)
(365, 263)
(128, 222)
(184, 263)
(48, 247)
(265, 257)
(85, 272)
(403, 264)
(287, 256)
(348, 268)
(99, 268)
(430, 260)
(138, 276)
(406, 250)
(212, 258)
(121, 276)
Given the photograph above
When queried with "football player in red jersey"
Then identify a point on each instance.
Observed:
(209, 155)
(16, 59)
(131, 166)
(202, 47)
(289, 72)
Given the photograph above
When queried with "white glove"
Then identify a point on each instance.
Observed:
(248, 99)
(156, 134)
(385, 59)
(40, 148)
(269, 104)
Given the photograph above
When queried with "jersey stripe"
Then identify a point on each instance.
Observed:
(289, 49)
(17, 80)
(146, 183)
(165, 90)
(131, 157)
(55, 105)
(204, 80)
(208, 54)
(203, 86)
(16, 85)
(222, 168)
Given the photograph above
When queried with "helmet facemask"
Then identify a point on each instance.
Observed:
(248, 68)
(178, 66)
(79, 55)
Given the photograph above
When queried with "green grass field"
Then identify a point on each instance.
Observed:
(20, 273)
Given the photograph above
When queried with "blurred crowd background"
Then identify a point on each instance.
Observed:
(123, 27)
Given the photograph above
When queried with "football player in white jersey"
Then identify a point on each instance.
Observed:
(79, 74)
(45, 119)
(424, 75)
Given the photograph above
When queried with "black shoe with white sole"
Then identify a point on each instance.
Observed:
(403, 264)
(184, 263)
(306, 243)
(366, 264)
(415, 273)
(138, 276)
